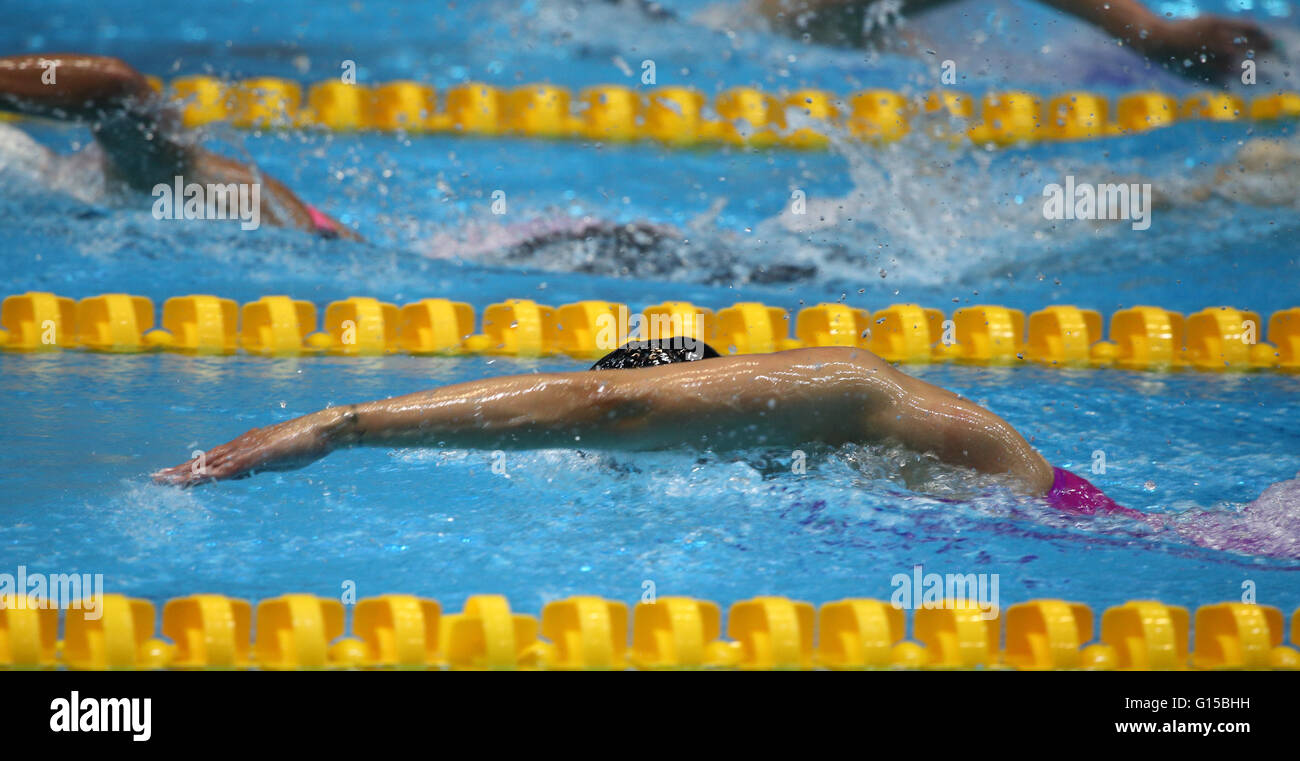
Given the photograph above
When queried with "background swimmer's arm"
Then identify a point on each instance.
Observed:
(138, 130)
(830, 395)
(70, 86)
(1224, 40)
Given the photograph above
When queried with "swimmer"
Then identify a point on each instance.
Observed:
(1264, 172)
(646, 396)
(1204, 47)
(140, 142)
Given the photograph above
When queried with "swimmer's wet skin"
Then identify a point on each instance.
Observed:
(140, 132)
(830, 395)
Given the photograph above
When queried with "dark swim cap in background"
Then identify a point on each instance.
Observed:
(664, 351)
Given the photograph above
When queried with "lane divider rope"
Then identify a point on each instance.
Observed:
(683, 116)
(302, 631)
(1140, 337)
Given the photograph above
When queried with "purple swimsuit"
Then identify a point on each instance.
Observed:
(1073, 494)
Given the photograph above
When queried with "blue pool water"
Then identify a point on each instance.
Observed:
(916, 221)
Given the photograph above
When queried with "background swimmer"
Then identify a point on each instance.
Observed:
(139, 137)
(830, 395)
(1204, 47)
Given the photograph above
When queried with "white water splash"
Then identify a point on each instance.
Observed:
(1268, 526)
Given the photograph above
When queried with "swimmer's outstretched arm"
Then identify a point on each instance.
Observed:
(782, 399)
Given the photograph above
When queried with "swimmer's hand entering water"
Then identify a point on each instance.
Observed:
(831, 395)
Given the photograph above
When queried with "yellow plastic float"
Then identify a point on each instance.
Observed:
(816, 106)
(1047, 634)
(586, 633)
(753, 328)
(1077, 116)
(749, 116)
(337, 105)
(210, 632)
(1007, 118)
(833, 325)
(989, 334)
(28, 634)
(517, 327)
(610, 112)
(1282, 105)
(674, 116)
(678, 318)
(1213, 106)
(294, 632)
(434, 326)
(204, 99)
(1142, 111)
(858, 634)
(878, 115)
(1235, 635)
(678, 633)
(276, 325)
(539, 110)
(591, 329)
(118, 636)
(906, 333)
(397, 631)
(772, 633)
(1223, 338)
(475, 109)
(115, 322)
(956, 636)
(265, 102)
(361, 325)
(1145, 338)
(1146, 635)
(486, 635)
(402, 105)
(199, 323)
(36, 321)
(1063, 335)
(1284, 334)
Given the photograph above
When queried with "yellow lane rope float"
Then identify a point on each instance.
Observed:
(1061, 335)
(301, 631)
(683, 116)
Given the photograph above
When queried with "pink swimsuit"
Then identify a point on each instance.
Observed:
(1073, 494)
(325, 226)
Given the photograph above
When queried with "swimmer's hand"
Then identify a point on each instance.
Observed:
(1205, 47)
(284, 446)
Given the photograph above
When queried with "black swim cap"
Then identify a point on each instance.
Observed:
(663, 351)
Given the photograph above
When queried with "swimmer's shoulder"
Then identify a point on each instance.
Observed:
(824, 355)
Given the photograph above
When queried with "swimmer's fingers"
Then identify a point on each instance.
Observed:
(178, 475)
(234, 459)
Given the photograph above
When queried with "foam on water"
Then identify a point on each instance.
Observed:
(1269, 525)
